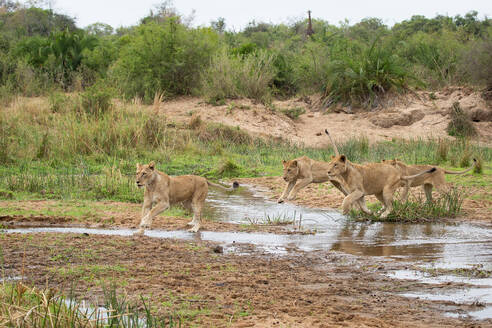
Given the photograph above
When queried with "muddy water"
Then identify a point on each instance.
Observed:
(443, 245)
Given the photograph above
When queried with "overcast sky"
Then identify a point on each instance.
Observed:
(238, 13)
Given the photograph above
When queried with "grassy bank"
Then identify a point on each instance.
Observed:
(70, 154)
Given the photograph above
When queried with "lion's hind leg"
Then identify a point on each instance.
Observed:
(388, 193)
(428, 191)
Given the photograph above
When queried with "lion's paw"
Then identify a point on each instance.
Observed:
(194, 228)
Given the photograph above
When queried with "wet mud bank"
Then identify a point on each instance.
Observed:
(309, 267)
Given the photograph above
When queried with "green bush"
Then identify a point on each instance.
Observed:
(460, 125)
(58, 102)
(447, 205)
(231, 76)
(96, 100)
(476, 64)
(293, 113)
(362, 79)
(163, 58)
(434, 57)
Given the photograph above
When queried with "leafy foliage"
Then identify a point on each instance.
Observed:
(356, 65)
(163, 57)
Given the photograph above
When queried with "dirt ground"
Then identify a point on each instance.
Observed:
(209, 289)
(418, 115)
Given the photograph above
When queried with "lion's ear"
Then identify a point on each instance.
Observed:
(332, 157)
(294, 163)
(343, 158)
(284, 161)
(152, 165)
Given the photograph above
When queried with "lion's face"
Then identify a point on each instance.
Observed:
(337, 165)
(291, 170)
(144, 174)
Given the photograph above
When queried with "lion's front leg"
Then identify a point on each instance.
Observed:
(287, 190)
(299, 185)
(156, 210)
(350, 199)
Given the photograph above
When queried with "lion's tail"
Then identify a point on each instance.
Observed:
(410, 177)
(235, 185)
(406, 179)
(464, 171)
(335, 148)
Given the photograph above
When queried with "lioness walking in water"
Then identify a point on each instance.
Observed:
(162, 191)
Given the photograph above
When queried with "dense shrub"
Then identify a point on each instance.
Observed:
(460, 125)
(233, 76)
(361, 79)
(163, 57)
(96, 100)
(476, 64)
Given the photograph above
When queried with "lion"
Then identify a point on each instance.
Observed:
(436, 179)
(164, 190)
(377, 179)
(302, 171)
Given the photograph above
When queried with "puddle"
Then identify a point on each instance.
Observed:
(443, 245)
(483, 314)
(427, 278)
(13, 278)
(465, 296)
(468, 296)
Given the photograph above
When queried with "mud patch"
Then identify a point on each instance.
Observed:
(317, 289)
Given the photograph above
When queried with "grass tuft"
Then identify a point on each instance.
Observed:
(23, 306)
(460, 125)
(446, 205)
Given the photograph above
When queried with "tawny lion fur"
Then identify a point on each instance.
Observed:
(162, 190)
(377, 179)
(428, 181)
(302, 171)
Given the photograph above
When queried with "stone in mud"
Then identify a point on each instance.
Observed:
(218, 249)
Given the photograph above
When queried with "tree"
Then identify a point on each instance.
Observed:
(99, 29)
(218, 25)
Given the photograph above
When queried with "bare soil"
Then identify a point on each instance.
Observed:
(419, 115)
(318, 289)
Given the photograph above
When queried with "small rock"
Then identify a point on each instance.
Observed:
(218, 249)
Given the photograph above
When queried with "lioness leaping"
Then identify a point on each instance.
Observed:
(163, 191)
(436, 179)
(377, 179)
(302, 171)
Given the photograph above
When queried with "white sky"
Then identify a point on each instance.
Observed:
(238, 13)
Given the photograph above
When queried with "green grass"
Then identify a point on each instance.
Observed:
(447, 205)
